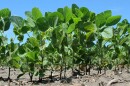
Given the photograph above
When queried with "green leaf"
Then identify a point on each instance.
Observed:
(86, 13)
(24, 68)
(78, 13)
(33, 41)
(76, 20)
(31, 56)
(1, 25)
(36, 13)
(16, 31)
(107, 14)
(74, 6)
(14, 63)
(42, 24)
(107, 33)
(60, 10)
(67, 13)
(55, 18)
(21, 49)
(89, 27)
(100, 20)
(25, 29)
(5, 12)
(113, 20)
(20, 37)
(7, 24)
(30, 22)
(123, 40)
(92, 16)
(28, 14)
(71, 28)
(125, 21)
(17, 21)
(88, 34)
(64, 26)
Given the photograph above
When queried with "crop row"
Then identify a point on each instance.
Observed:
(64, 39)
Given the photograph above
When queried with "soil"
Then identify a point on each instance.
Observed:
(111, 78)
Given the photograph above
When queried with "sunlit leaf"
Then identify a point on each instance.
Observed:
(36, 13)
(107, 14)
(107, 33)
(5, 12)
(67, 13)
(100, 20)
(71, 28)
(113, 20)
(89, 27)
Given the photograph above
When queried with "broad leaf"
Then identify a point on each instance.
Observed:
(5, 13)
(86, 13)
(89, 27)
(30, 22)
(107, 33)
(36, 13)
(67, 13)
(74, 6)
(92, 16)
(107, 14)
(28, 14)
(16, 31)
(55, 18)
(100, 20)
(42, 24)
(17, 21)
(71, 28)
(64, 26)
(33, 41)
(21, 49)
(88, 34)
(113, 20)
(60, 10)
(25, 29)
(7, 24)
(31, 56)
(20, 37)
(78, 13)
(14, 63)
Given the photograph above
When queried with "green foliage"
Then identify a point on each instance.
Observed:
(4, 19)
(107, 33)
(42, 24)
(17, 21)
(100, 20)
(71, 28)
(5, 13)
(65, 38)
(67, 12)
(36, 13)
(113, 20)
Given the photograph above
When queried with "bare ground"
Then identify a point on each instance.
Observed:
(111, 78)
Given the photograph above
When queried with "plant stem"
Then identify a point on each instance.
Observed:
(9, 74)
(31, 76)
(61, 72)
(51, 77)
(65, 71)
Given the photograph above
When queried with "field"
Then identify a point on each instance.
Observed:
(69, 38)
(111, 78)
